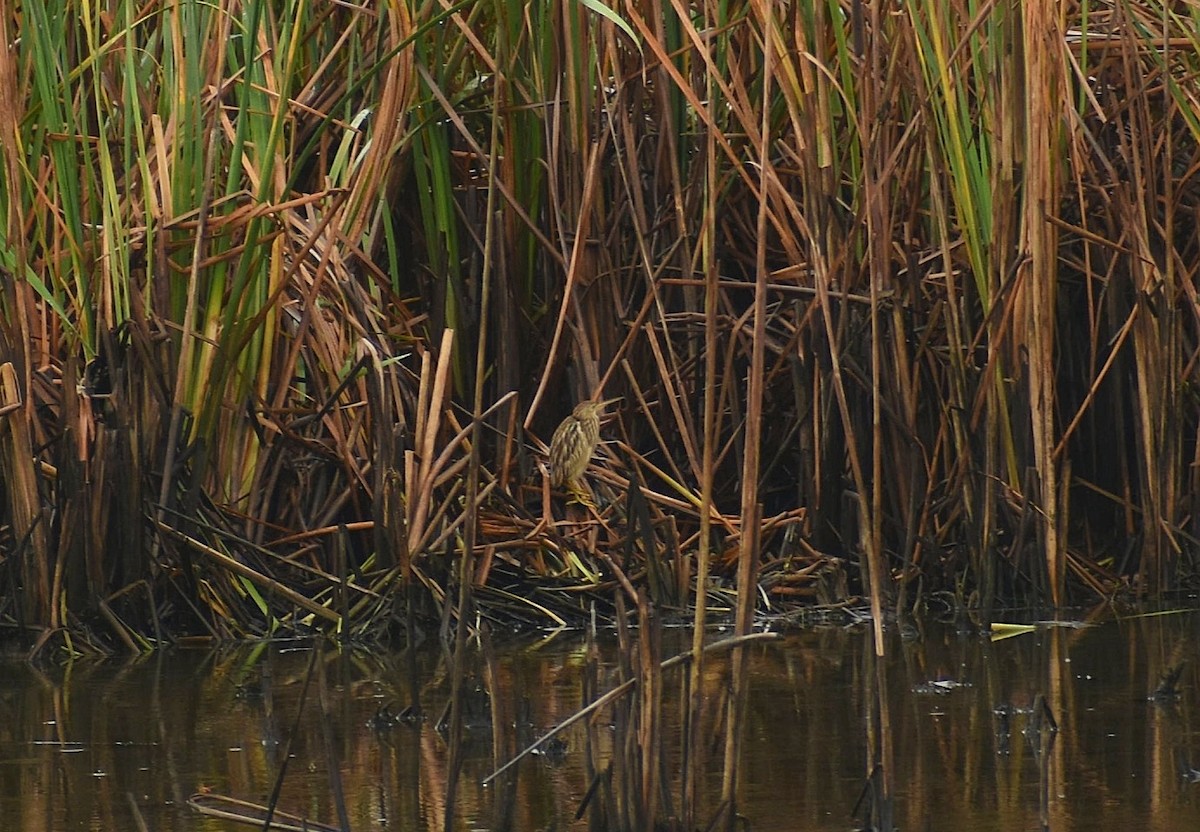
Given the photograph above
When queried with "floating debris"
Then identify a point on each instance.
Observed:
(940, 687)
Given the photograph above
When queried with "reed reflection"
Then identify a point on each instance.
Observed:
(1062, 727)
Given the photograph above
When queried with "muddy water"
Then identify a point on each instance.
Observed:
(111, 745)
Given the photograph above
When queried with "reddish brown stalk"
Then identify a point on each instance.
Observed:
(1042, 40)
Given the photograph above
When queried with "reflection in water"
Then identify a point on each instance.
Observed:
(949, 726)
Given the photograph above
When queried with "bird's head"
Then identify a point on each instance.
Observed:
(589, 410)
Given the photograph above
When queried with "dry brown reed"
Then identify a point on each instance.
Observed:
(899, 301)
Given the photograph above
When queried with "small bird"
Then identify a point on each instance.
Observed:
(573, 444)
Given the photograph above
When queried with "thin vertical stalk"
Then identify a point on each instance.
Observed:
(466, 571)
(694, 746)
(750, 509)
(1038, 272)
(188, 337)
(878, 236)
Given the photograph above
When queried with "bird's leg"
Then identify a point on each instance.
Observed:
(579, 495)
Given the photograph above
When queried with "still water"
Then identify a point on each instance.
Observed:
(113, 745)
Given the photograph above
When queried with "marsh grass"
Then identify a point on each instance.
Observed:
(900, 301)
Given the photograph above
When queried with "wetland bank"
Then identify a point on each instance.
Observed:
(898, 303)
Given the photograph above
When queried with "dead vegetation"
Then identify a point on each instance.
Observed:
(898, 300)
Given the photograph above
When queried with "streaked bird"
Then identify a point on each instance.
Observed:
(573, 444)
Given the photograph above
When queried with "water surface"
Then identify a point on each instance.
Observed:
(943, 722)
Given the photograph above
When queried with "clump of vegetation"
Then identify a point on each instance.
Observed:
(897, 300)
